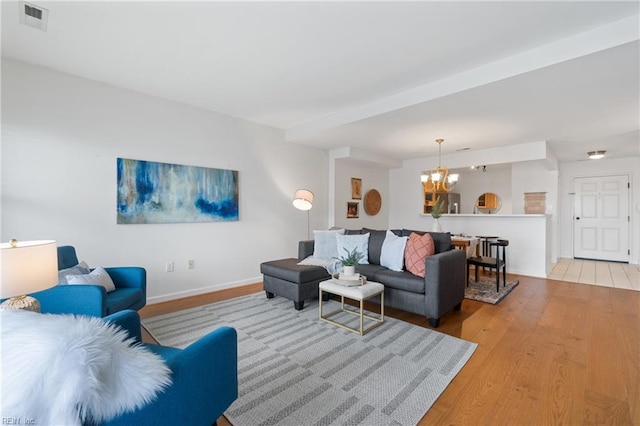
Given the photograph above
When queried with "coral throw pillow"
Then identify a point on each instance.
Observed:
(417, 250)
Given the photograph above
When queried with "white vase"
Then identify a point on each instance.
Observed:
(436, 225)
(349, 270)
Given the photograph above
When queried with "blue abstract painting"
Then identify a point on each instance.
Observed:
(150, 192)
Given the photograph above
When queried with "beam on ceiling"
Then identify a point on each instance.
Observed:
(591, 41)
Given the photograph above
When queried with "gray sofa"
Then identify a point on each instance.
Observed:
(440, 291)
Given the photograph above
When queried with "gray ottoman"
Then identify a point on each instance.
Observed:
(286, 278)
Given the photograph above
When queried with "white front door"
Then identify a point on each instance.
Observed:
(601, 218)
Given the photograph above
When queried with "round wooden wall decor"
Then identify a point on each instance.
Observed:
(372, 202)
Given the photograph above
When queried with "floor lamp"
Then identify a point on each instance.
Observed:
(26, 267)
(303, 200)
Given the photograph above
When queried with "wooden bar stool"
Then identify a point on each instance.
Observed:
(497, 263)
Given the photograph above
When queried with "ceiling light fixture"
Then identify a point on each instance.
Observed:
(481, 168)
(439, 179)
(596, 155)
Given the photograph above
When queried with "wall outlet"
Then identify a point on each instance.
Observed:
(191, 264)
(168, 267)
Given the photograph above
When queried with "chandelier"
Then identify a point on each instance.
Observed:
(438, 179)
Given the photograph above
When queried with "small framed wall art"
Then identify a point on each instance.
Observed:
(352, 210)
(356, 188)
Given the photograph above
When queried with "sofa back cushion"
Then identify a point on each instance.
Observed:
(376, 239)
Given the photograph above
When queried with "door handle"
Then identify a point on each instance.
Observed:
(577, 218)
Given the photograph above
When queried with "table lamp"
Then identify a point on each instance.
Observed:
(26, 267)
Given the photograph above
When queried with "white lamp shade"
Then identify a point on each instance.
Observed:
(28, 267)
(303, 200)
(453, 178)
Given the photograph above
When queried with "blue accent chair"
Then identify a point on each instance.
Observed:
(204, 375)
(130, 282)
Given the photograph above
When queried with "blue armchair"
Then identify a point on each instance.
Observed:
(130, 282)
(204, 374)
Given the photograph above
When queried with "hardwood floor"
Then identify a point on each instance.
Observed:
(551, 353)
(594, 272)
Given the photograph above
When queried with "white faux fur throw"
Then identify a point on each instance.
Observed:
(65, 369)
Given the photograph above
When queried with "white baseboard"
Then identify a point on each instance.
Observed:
(202, 290)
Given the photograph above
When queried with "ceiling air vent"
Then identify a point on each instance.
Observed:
(33, 16)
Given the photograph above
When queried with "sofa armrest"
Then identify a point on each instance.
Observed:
(215, 356)
(128, 276)
(444, 282)
(305, 249)
(73, 299)
(127, 320)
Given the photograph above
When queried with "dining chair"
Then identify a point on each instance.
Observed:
(499, 262)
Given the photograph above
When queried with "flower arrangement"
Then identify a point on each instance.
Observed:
(437, 209)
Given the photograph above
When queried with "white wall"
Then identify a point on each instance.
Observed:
(604, 167)
(406, 190)
(529, 250)
(473, 183)
(373, 177)
(533, 176)
(406, 193)
(61, 136)
(523, 176)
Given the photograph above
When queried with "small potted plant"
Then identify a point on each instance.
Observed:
(350, 261)
(436, 212)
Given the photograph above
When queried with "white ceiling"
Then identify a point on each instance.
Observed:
(384, 77)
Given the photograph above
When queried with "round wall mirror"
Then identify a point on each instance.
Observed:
(488, 203)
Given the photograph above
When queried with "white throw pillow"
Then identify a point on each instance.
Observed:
(346, 243)
(73, 370)
(392, 254)
(80, 268)
(325, 246)
(98, 277)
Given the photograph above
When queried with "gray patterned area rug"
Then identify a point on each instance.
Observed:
(485, 289)
(294, 369)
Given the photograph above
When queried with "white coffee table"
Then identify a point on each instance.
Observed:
(359, 293)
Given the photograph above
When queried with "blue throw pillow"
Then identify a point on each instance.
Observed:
(80, 269)
(325, 245)
(346, 243)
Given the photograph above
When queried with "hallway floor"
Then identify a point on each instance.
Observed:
(595, 272)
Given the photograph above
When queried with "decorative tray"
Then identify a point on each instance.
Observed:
(360, 281)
